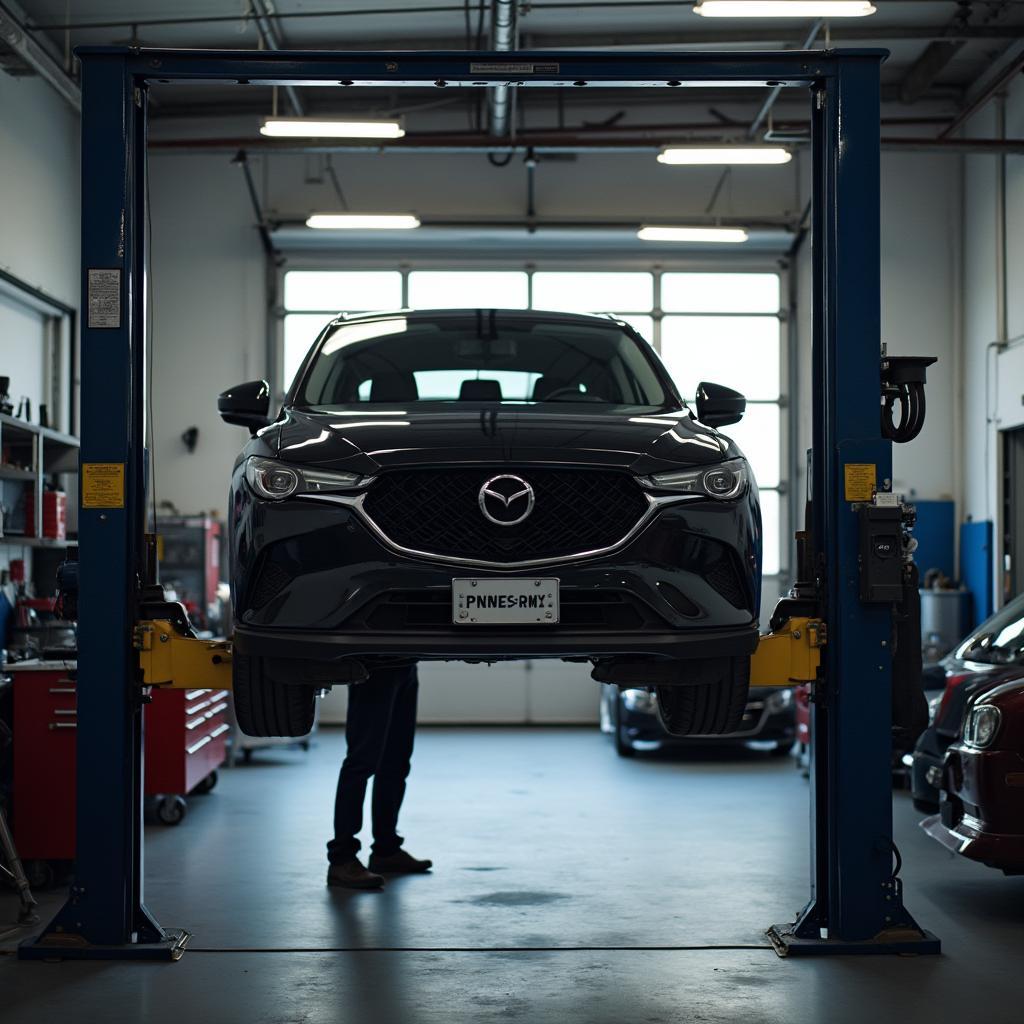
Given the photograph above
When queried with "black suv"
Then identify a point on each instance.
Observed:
(478, 485)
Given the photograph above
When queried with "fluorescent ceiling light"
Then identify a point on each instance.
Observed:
(670, 234)
(784, 8)
(312, 128)
(363, 221)
(724, 155)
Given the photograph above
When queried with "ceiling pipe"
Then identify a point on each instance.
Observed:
(499, 98)
(769, 102)
(860, 31)
(1000, 82)
(37, 56)
(263, 14)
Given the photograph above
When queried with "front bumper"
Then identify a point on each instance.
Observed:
(969, 839)
(312, 581)
(981, 811)
(468, 643)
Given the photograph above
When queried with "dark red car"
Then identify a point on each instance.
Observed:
(981, 809)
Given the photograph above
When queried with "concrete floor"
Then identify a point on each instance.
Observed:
(541, 837)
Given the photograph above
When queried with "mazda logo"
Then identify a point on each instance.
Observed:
(506, 500)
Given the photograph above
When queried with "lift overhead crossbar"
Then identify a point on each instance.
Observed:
(855, 903)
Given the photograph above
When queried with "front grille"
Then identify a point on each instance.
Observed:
(578, 609)
(437, 511)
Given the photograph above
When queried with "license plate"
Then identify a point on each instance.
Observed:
(504, 602)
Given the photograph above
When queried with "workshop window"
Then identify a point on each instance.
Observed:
(312, 297)
(479, 289)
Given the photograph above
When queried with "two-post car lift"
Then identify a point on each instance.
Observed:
(855, 903)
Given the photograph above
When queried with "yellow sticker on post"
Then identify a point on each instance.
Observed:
(102, 485)
(859, 481)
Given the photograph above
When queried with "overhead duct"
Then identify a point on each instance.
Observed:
(499, 99)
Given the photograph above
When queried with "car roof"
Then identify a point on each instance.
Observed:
(518, 314)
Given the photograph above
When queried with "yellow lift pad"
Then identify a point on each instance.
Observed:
(791, 655)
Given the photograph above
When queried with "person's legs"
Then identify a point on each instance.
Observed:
(366, 729)
(394, 765)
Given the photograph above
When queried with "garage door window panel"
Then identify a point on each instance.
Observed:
(741, 352)
(720, 293)
(460, 289)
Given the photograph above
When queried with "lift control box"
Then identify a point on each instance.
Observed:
(881, 553)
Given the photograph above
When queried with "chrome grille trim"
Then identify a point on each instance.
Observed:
(355, 502)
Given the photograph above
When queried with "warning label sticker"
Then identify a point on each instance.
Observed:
(859, 481)
(102, 485)
(104, 298)
(511, 68)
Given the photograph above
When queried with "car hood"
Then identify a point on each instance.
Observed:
(383, 438)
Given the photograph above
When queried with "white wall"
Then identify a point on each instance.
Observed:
(40, 211)
(209, 323)
(993, 378)
(39, 198)
(507, 693)
(920, 310)
(39, 222)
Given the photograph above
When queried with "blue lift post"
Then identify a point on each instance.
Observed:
(855, 904)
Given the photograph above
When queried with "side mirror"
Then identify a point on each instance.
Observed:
(718, 406)
(246, 405)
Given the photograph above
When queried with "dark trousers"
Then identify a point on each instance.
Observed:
(379, 731)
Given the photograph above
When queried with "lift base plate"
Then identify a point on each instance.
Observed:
(46, 948)
(902, 941)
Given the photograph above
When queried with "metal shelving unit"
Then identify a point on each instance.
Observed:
(29, 455)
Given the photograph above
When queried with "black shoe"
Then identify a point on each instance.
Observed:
(352, 875)
(399, 863)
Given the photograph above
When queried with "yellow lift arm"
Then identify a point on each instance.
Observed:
(169, 659)
(178, 662)
(790, 655)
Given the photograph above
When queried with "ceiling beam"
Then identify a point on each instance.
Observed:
(666, 37)
(923, 73)
(647, 139)
(985, 89)
(38, 55)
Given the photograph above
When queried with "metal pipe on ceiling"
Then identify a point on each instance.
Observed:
(1000, 82)
(503, 22)
(859, 32)
(36, 55)
(263, 13)
(544, 145)
(769, 102)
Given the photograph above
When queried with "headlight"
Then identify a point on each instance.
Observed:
(725, 481)
(640, 700)
(982, 726)
(778, 701)
(275, 480)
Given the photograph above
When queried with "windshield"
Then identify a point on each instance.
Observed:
(999, 640)
(480, 356)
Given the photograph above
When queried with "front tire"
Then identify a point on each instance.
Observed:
(707, 709)
(623, 746)
(266, 708)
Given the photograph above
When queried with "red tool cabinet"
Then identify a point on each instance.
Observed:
(186, 733)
